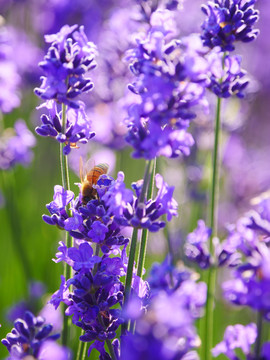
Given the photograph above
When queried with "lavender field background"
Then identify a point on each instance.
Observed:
(31, 169)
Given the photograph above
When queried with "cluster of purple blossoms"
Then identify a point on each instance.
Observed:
(166, 330)
(170, 78)
(102, 219)
(197, 249)
(251, 278)
(96, 296)
(96, 291)
(237, 337)
(241, 337)
(69, 58)
(229, 21)
(77, 128)
(226, 75)
(9, 77)
(16, 146)
(31, 336)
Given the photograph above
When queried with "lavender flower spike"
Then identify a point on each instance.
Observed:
(229, 21)
(69, 58)
(29, 336)
(77, 128)
(237, 336)
(15, 146)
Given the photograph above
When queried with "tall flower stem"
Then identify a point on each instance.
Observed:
(81, 347)
(132, 251)
(84, 351)
(63, 158)
(257, 347)
(145, 232)
(211, 276)
(66, 186)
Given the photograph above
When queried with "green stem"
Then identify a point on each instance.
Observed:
(131, 259)
(111, 350)
(80, 348)
(69, 241)
(215, 177)
(257, 348)
(84, 351)
(145, 180)
(63, 158)
(144, 239)
(132, 251)
(211, 276)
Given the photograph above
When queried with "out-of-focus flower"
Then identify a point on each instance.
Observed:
(251, 278)
(27, 336)
(227, 77)
(50, 350)
(229, 21)
(9, 76)
(52, 316)
(236, 337)
(170, 78)
(166, 329)
(35, 291)
(251, 282)
(196, 247)
(15, 146)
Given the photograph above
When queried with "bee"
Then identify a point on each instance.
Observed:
(90, 178)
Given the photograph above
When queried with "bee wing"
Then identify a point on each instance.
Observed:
(82, 172)
(89, 165)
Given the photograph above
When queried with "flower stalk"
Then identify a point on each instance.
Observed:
(143, 246)
(211, 276)
(132, 251)
(68, 241)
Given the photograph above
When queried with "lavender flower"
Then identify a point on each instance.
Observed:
(166, 330)
(237, 337)
(229, 21)
(196, 248)
(102, 219)
(129, 211)
(170, 78)
(77, 128)
(9, 77)
(94, 294)
(15, 146)
(69, 58)
(28, 336)
(57, 207)
(227, 77)
(250, 283)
